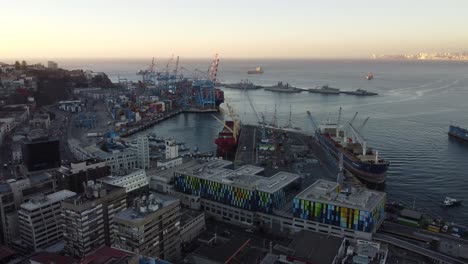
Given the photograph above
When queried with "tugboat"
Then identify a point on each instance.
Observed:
(451, 202)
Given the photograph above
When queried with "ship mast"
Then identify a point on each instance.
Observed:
(338, 124)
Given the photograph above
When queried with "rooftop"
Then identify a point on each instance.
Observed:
(187, 215)
(168, 174)
(93, 192)
(47, 258)
(222, 250)
(328, 192)
(145, 206)
(107, 255)
(41, 201)
(245, 177)
(315, 247)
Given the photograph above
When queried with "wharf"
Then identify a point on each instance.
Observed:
(152, 122)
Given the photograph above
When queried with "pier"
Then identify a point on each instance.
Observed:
(149, 123)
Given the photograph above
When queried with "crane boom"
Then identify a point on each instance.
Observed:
(221, 122)
(359, 139)
(309, 115)
(363, 124)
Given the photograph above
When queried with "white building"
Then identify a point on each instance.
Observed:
(40, 220)
(131, 181)
(172, 149)
(143, 152)
(172, 155)
(117, 160)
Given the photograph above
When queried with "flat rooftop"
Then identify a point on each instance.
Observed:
(187, 215)
(149, 204)
(167, 174)
(324, 191)
(41, 201)
(315, 247)
(245, 177)
(103, 189)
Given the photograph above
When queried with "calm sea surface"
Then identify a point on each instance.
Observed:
(408, 120)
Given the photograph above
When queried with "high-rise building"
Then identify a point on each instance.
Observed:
(72, 176)
(143, 152)
(7, 209)
(41, 154)
(172, 158)
(52, 65)
(40, 220)
(172, 149)
(151, 227)
(88, 219)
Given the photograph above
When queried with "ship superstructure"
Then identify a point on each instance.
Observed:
(228, 137)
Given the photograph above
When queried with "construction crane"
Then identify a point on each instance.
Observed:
(176, 66)
(213, 70)
(261, 120)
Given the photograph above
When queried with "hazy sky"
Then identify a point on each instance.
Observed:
(236, 28)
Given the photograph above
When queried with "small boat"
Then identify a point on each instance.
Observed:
(450, 202)
(458, 132)
(257, 70)
(369, 76)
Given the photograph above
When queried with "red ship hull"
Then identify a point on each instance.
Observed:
(227, 143)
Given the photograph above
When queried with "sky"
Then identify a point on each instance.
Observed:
(234, 29)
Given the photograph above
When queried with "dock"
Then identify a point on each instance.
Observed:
(152, 122)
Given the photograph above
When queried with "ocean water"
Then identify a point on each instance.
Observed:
(408, 122)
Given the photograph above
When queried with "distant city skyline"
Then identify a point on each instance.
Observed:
(234, 29)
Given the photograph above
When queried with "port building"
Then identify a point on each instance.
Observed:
(243, 187)
(325, 202)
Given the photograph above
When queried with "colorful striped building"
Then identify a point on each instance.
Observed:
(356, 208)
(243, 188)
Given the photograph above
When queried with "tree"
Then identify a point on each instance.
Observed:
(23, 65)
(17, 65)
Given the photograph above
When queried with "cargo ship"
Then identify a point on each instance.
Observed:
(363, 162)
(257, 70)
(228, 137)
(458, 132)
